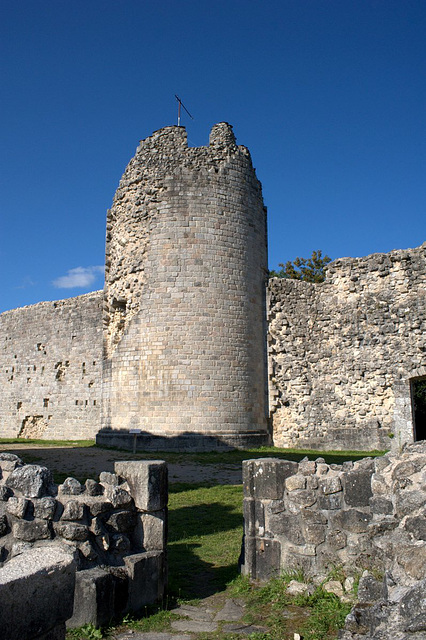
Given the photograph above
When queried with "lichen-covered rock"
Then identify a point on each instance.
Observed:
(73, 510)
(17, 506)
(93, 488)
(31, 530)
(71, 487)
(44, 508)
(32, 481)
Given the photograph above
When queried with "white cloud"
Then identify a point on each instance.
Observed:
(79, 277)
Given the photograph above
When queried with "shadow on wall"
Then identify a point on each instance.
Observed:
(138, 440)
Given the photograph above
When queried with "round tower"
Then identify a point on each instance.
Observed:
(184, 308)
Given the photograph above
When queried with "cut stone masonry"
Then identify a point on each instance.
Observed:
(113, 530)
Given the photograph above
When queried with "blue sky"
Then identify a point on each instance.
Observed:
(328, 95)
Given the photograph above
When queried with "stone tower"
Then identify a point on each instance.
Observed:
(184, 303)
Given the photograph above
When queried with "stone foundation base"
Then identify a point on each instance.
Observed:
(195, 442)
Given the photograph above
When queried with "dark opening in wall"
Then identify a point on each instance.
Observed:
(418, 401)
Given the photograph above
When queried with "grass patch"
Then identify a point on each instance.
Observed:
(315, 616)
(205, 534)
(49, 443)
(236, 456)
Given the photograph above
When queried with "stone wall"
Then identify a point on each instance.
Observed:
(50, 364)
(114, 529)
(367, 515)
(186, 265)
(342, 354)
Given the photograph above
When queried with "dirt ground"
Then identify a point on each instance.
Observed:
(88, 462)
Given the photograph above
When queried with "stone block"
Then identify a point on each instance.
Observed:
(5, 493)
(122, 521)
(93, 598)
(357, 487)
(147, 577)
(44, 508)
(351, 520)
(413, 603)
(71, 531)
(73, 510)
(150, 533)
(417, 527)
(381, 506)
(71, 487)
(17, 506)
(9, 461)
(301, 500)
(31, 530)
(296, 482)
(331, 501)
(36, 593)
(370, 589)
(93, 488)
(262, 558)
(288, 525)
(329, 486)
(147, 480)
(32, 481)
(264, 478)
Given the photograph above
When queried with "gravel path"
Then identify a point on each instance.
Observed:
(88, 462)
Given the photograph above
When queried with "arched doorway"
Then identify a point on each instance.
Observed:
(418, 404)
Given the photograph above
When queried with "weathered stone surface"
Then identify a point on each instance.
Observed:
(71, 531)
(370, 589)
(380, 505)
(119, 497)
(36, 592)
(17, 506)
(96, 507)
(93, 598)
(109, 478)
(73, 510)
(122, 521)
(9, 461)
(342, 353)
(44, 508)
(288, 525)
(293, 483)
(151, 531)
(32, 481)
(31, 530)
(263, 478)
(416, 526)
(331, 485)
(5, 493)
(147, 481)
(146, 573)
(357, 487)
(93, 488)
(3, 526)
(406, 502)
(352, 520)
(71, 487)
(330, 501)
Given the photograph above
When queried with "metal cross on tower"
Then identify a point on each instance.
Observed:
(180, 104)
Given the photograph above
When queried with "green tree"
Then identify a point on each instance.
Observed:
(308, 269)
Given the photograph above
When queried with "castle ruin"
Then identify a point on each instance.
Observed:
(175, 346)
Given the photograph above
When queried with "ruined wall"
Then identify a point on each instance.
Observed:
(342, 353)
(115, 531)
(184, 322)
(365, 515)
(50, 364)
